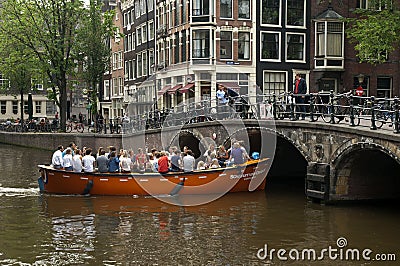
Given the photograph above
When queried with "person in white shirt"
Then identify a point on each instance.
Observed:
(57, 159)
(67, 160)
(77, 161)
(125, 162)
(88, 161)
(188, 162)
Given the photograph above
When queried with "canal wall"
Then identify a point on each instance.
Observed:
(50, 141)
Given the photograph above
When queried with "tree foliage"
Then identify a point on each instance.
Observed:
(375, 31)
(56, 33)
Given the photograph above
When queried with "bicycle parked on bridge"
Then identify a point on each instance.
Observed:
(72, 125)
(320, 107)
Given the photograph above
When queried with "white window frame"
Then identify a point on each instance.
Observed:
(231, 32)
(304, 47)
(231, 17)
(286, 85)
(250, 42)
(279, 17)
(304, 17)
(279, 46)
(250, 3)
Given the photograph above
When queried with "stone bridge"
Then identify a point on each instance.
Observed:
(337, 162)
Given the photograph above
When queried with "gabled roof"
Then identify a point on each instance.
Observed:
(329, 14)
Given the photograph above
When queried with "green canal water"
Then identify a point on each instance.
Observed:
(236, 229)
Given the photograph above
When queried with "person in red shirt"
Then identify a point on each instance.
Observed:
(163, 164)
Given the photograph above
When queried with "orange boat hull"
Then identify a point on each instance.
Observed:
(230, 179)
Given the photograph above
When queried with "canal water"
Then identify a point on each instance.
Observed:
(237, 229)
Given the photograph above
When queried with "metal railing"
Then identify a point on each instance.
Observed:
(325, 107)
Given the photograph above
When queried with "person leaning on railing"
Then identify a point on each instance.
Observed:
(300, 89)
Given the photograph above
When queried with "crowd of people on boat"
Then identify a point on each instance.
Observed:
(109, 160)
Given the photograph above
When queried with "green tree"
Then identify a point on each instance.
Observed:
(19, 67)
(47, 28)
(93, 47)
(375, 31)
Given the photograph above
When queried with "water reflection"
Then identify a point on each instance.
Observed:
(146, 230)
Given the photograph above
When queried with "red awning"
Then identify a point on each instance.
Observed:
(174, 89)
(230, 85)
(186, 88)
(164, 90)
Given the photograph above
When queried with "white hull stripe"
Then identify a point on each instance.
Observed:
(143, 180)
(84, 178)
(202, 177)
(123, 180)
(103, 179)
(66, 176)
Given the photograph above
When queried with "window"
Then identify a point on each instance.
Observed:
(384, 87)
(4, 83)
(329, 36)
(183, 47)
(150, 5)
(37, 84)
(3, 107)
(226, 8)
(142, 7)
(139, 36)
(201, 8)
(177, 14)
(151, 61)
(139, 65)
(51, 108)
(115, 86)
(120, 59)
(38, 106)
(117, 36)
(137, 8)
(176, 48)
(226, 45)
(270, 12)
(375, 4)
(15, 107)
(274, 82)
(295, 13)
(25, 107)
(151, 30)
(270, 46)
(120, 86)
(244, 9)
(106, 89)
(144, 33)
(244, 46)
(295, 47)
(201, 43)
(144, 58)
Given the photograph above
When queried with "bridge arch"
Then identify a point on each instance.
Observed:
(365, 170)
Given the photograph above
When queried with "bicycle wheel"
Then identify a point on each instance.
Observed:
(68, 128)
(80, 128)
(280, 113)
(315, 113)
(379, 119)
(326, 113)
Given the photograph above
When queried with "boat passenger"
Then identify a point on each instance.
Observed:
(154, 163)
(110, 149)
(214, 164)
(222, 155)
(163, 163)
(72, 146)
(208, 154)
(201, 165)
(113, 164)
(57, 158)
(67, 160)
(188, 162)
(77, 161)
(102, 161)
(141, 160)
(125, 162)
(237, 154)
(88, 161)
(176, 161)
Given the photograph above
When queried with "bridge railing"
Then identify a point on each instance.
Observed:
(325, 107)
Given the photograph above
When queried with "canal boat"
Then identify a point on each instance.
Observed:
(249, 176)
